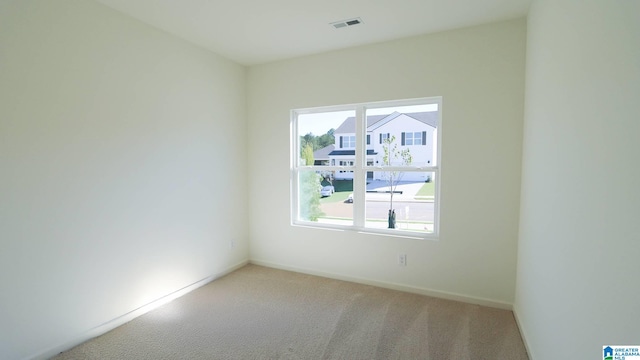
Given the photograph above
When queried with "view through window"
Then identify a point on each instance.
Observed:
(372, 167)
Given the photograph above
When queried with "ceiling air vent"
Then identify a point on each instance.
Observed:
(345, 23)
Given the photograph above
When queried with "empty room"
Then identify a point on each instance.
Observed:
(402, 179)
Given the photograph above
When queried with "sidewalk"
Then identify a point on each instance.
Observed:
(377, 190)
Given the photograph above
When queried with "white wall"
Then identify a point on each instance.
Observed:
(479, 72)
(578, 282)
(123, 169)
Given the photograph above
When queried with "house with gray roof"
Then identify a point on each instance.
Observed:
(416, 132)
(321, 156)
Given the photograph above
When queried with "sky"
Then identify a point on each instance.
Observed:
(319, 123)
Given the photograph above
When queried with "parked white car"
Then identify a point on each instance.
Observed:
(327, 191)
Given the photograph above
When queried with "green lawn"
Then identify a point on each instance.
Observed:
(428, 189)
(336, 197)
(343, 189)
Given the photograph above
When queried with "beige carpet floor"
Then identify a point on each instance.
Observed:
(262, 313)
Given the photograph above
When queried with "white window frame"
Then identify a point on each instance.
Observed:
(360, 169)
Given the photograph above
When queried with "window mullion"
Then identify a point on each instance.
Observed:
(295, 200)
(294, 203)
(359, 178)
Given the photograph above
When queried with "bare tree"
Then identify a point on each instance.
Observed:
(393, 157)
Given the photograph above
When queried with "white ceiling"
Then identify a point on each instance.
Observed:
(258, 31)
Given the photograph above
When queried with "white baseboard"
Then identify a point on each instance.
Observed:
(522, 333)
(393, 286)
(121, 320)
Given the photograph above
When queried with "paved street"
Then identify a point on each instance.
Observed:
(377, 204)
(413, 211)
(417, 211)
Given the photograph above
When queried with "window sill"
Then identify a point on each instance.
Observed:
(396, 233)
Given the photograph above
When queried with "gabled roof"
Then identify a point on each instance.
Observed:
(323, 154)
(428, 117)
(385, 120)
(348, 126)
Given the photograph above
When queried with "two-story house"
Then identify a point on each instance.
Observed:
(416, 132)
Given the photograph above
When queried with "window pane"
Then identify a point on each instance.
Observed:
(317, 144)
(400, 131)
(412, 201)
(323, 199)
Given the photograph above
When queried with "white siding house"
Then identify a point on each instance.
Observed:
(414, 131)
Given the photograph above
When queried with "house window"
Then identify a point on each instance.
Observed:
(414, 138)
(347, 142)
(388, 186)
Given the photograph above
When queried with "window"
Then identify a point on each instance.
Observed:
(346, 163)
(386, 186)
(347, 141)
(414, 138)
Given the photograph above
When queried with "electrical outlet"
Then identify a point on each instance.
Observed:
(402, 259)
